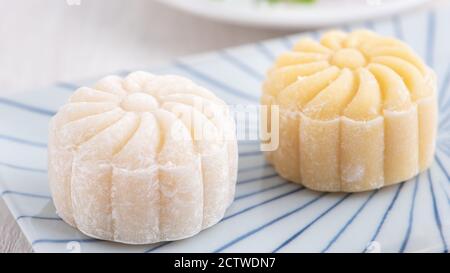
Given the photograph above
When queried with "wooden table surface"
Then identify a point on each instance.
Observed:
(47, 41)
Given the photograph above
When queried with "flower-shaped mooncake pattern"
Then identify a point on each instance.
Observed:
(142, 159)
(358, 111)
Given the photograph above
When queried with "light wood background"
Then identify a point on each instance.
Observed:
(44, 41)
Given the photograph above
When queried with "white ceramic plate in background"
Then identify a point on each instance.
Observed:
(269, 214)
(311, 15)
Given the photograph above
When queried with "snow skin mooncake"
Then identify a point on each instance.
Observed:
(358, 111)
(142, 159)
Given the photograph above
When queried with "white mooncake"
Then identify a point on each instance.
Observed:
(142, 159)
(358, 111)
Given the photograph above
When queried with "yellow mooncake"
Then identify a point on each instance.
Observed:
(142, 159)
(358, 111)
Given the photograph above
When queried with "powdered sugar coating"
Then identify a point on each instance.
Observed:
(142, 159)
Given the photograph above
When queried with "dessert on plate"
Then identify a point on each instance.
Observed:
(142, 159)
(358, 111)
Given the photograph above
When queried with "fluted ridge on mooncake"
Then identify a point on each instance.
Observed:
(125, 163)
(358, 111)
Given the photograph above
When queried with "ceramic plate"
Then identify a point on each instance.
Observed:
(318, 14)
(269, 213)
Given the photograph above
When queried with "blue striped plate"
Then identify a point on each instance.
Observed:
(269, 214)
